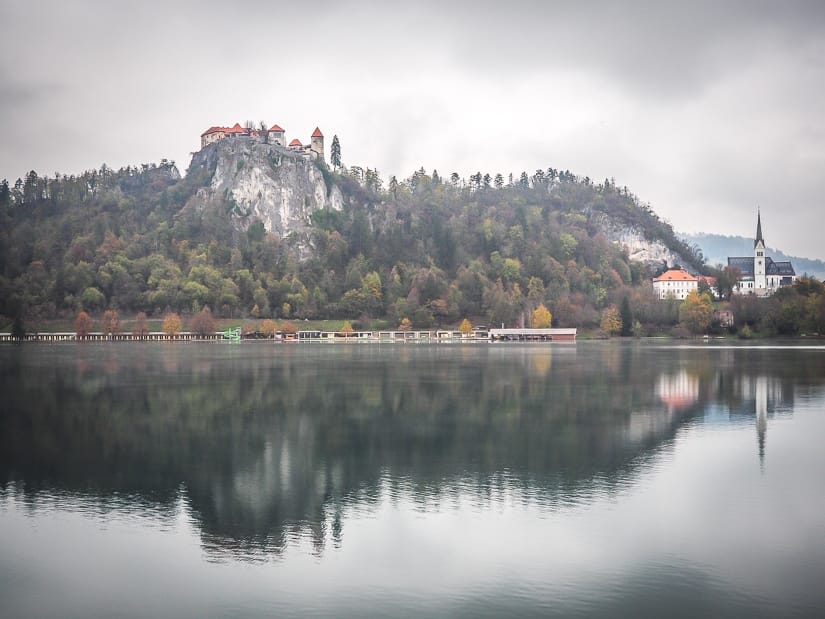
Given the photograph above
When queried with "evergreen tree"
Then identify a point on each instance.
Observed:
(335, 152)
(626, 315)
(18, 331)
(5, 193)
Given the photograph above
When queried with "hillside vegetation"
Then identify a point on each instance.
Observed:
(425, 248)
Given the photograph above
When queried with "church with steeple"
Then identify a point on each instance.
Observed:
(760, 275)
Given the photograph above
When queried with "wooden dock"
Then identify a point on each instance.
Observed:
(318, 337)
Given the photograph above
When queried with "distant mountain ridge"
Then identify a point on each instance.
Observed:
(717, 247)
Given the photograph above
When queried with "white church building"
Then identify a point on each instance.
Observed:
(760, 275)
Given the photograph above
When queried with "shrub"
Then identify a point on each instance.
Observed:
(172, 324)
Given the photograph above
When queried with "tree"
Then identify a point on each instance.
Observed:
(696, 312)
(5, 193)
(405, 324)
(611, 321)
(288, 327)
(269, 327)
(172, 324)
(202, 323)
(626, 316)
(335, 152)
(465, 327)
(92, 298)
(542, 318)
(82, 325)
(18, 330)
(346, 329)
(110, 323)
(726, 280)
(141, 327)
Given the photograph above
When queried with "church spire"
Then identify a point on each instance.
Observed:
(758, 228)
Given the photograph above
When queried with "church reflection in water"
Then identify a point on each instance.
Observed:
(274, 449)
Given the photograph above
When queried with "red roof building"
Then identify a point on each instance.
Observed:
(275, 135)
(675, 283)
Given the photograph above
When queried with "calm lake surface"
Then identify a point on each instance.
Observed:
(598, 479)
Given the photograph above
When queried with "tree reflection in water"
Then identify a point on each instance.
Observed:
(274, 445)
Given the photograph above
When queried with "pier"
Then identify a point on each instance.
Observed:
(316, 337)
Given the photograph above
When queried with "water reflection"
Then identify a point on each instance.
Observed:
(269, 448)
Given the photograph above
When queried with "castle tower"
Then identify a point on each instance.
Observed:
(277, 135)
(759, 280)
(316, 143)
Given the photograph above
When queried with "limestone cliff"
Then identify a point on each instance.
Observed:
(252, 181)
(638, 244)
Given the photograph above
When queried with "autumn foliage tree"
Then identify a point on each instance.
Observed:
(696, 312)
(611, 321)
(269, 327)
(405, 324)
(288, 327)
(542, 318)
(110, 323)
(202, 323)
(141, 326)
(172, 324)
(346, 329)
(82, 324)
(465, 328)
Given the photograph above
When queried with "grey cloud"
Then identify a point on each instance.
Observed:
(662, 48)
(702, 108)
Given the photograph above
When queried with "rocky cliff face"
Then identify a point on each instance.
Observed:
(253, 181)
(637, 245)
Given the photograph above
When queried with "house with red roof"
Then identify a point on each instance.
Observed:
(675, 284)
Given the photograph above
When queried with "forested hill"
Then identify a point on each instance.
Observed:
(430, 249)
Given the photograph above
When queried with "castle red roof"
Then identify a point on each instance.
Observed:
(235, 129)
(212, 130)
(276, 128)
(295, 142)
(317, 133)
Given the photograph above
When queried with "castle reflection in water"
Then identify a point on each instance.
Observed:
(269, 449)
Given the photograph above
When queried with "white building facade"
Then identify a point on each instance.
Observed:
(675, 284)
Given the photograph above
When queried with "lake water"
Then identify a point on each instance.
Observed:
(598, 479)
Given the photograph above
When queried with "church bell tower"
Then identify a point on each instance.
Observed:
(759, 280)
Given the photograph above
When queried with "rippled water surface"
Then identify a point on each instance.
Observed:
(352, 480)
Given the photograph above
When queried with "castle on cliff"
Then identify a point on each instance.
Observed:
(274, 135)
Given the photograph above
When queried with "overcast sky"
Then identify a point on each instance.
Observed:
(704, 110)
